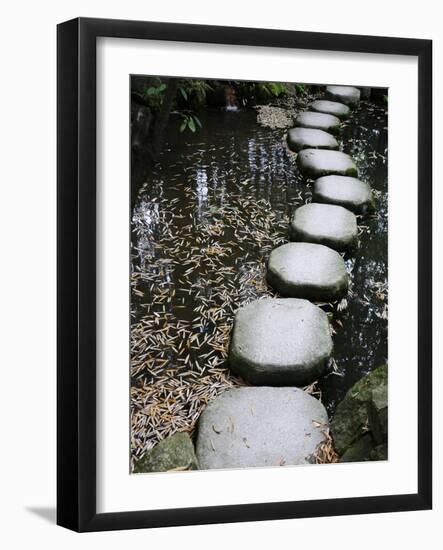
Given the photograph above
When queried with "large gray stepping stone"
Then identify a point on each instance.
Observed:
(352, 193)
(249, 427)
(314, 163)
(307, 270)
(330, 108)
(345, 94)
(319, 121)
(327, 224)
(309, 138)
(280, 342)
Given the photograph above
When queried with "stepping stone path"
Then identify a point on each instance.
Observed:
(287, 341)
(262, 426)
(309, 138)
(330, 108)
(351, 193)
(306, 270)
(344, 94)
(326, 224)
(314, 163)
(320, 121)
(280, 342)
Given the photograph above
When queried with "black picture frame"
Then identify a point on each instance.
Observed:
(76, 295)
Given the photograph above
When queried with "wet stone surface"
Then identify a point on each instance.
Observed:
(310, 138)
(247, 427)
(280, 341)
(349, 192)
(327, 224)
(306, 270)
(331, 108)
(344, 94)
(175, 453)
(320, 121)
(314, 163)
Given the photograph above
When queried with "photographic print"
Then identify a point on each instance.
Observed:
(258, 274)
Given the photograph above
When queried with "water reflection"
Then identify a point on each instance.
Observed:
(203, 200)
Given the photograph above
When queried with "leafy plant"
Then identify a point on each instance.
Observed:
(191, 89)
(189, 121)
(155, 90)
(154, 93)
(276, 89)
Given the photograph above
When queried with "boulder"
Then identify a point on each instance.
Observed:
(314, 163)
(330, 108)
(280, 342)
(306, 270)
(320, 121)
(327, 224)
(378, 413)
(351, 418)
(309, 138)
(352, 193)
(248, 427)
(344, 94)
(175, 453)
(360, 451)
(380, 452)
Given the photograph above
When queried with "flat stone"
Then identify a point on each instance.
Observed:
(280, 342)
(327, 224)
(320, 121)
(330, 108)
(314, 163)
(346, 191)
(345, 94)
(175, 453)
(310, 138)
(249, 427)
(306, 270)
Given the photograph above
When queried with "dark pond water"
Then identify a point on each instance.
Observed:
(205, 219)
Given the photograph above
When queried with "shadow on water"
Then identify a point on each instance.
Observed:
(230, 189)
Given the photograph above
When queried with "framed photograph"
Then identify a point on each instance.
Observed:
(244, 274)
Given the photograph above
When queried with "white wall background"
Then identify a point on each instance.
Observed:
(27, 274)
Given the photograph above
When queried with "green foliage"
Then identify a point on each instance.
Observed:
(192, 89)
(275, 89)
(154, 92)
(189, 121)
(250, 92)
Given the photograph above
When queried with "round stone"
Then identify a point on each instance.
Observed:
(320, 121)
(330, 108)
(344, 94)
(314, 163)
(249, 427)
(280, 342)
(352, 193)
(307, 270)
(327, 224)
(309, 138)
